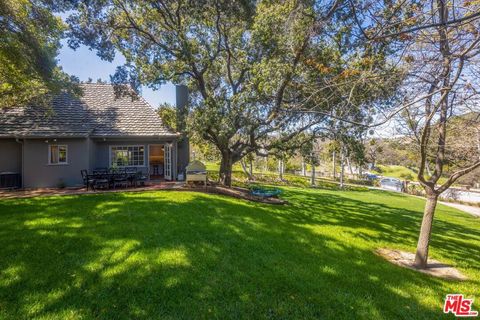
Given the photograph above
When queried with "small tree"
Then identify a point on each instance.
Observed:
(444, 63)
(311, 153)
(439, 48)
(374, 150)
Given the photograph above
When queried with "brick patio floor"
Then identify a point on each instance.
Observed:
(28, 193)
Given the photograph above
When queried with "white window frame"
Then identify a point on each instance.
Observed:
(127, 146)
(167, 161)
(58, 150)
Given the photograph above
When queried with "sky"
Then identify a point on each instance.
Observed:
(85, 64)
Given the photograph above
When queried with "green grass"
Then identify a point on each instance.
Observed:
(399, 172)
(185, 255)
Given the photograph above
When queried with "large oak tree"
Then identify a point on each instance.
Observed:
(248, 64)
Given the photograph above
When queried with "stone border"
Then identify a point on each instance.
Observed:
(234, 192)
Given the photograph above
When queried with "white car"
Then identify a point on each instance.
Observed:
(391, 184)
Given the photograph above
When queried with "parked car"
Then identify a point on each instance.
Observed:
(391, 184)
(371, 176)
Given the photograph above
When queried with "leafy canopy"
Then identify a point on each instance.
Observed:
(250, 65)
(29, 41)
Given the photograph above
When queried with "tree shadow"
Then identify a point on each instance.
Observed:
(190, 255)
(390, 223)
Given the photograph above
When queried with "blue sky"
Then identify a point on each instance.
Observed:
(85, 64)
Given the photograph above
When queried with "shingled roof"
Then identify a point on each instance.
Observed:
(97, 112)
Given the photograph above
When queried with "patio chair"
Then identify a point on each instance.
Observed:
(101, 181)
(131, 175)
(131, 170)
(120, 179)
(140, 178)
(100, 170)
(88, 181)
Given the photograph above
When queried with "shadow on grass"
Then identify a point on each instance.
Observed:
(187, 255)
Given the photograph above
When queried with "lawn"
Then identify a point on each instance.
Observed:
(399, 172)
(185, 255)
(403, 173)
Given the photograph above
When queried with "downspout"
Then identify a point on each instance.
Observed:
(22, 165)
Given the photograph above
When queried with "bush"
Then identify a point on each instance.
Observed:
(361, 182)
(415, 189)
(406, 176)
(377, 170)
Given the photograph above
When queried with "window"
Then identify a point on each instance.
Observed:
(126, 156)
(57, 154)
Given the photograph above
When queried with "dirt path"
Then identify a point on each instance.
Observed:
(474, 211)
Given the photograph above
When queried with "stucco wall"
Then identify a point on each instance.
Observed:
(10, 156)
(39, 173)
(82, 154)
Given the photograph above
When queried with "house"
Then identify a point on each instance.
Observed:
(49, 146)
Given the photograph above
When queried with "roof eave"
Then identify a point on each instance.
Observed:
(129, 136)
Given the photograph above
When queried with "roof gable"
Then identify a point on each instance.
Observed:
(98, 112)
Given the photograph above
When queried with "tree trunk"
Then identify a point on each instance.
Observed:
(312, 177)
(427, 166)
(304, 168)
(226, 169)
(342, 168)
(334, 160)
(349, 164)
(244, 168)
(421, 256)
(280, 169)
(251, 169)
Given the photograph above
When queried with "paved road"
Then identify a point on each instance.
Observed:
(463, 195)
(474, 211)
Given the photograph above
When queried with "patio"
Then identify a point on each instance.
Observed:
(29, 193)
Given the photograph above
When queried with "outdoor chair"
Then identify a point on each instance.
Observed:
(101, 181)
(140, 178)
(131, 170)
(131, 175)
(100, 170)
(88, 181)
(120, 179)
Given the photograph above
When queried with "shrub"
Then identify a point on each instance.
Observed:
(406, 176)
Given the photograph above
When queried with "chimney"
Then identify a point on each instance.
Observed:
(181, 92)
(183, 151)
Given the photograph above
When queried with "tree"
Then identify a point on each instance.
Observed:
(29, 41)
(247, 63)
(168, 114)
(445, 60)
(311, 154)
(439, 47)
(374, 149)
(248, 170)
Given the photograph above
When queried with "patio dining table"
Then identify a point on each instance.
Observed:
(107, 179)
